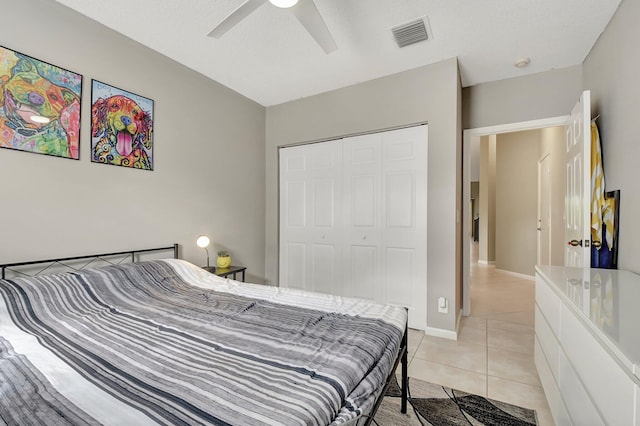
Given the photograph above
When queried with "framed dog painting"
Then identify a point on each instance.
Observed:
(40, 106)
(121, 127)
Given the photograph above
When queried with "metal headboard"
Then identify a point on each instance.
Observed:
(47, 263)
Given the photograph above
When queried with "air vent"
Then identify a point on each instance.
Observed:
(411, 33)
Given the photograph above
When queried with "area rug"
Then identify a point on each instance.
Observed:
(431, 404)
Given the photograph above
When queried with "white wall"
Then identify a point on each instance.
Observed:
(517, 201)
(424, 94)
(209, 155)
(611, 72)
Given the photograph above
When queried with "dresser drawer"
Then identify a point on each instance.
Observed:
(578, 402)
(550, 386)
(548, 343)
(549, 304)
(608, 385)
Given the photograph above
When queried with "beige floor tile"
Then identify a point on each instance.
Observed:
(523, 317)
(472, 334)
(516, 393)
(415, 338)
(457, 378)
(510, 340)
(501, 322)
(509, 326)
(510, 365)
(473, 322)
(456, 353)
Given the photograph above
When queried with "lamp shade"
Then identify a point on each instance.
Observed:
(203, 241)
(283, 3)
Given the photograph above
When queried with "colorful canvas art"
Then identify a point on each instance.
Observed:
(40, 106)
(121, 127)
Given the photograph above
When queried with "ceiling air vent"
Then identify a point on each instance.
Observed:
(411, 33)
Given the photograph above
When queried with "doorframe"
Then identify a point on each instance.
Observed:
(545, 156)
(467, 137)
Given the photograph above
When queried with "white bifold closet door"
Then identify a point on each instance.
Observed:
(353, 218)
(311, 217)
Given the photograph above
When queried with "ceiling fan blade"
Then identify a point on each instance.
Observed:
(310, 18)
(235, 17)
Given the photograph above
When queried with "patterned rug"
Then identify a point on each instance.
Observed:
(436, 405)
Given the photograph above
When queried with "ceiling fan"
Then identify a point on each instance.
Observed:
(305, 10)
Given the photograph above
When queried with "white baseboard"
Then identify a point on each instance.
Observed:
(517, 274)
(439, 332)
(487, 262)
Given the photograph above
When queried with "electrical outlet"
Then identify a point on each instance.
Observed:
(443, 305)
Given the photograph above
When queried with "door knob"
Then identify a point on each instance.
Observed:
(539, 229)
(575, 243)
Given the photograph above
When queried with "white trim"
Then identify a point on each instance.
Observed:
(517, 127)
(486, 262)
(458, 321)
(440, 332)
(517, 274)
(468, 134)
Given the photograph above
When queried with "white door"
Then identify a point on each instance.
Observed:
(362, 216)
(544, 210)
(578, 190)
(404, 221)
(310, 215)
(353, 218)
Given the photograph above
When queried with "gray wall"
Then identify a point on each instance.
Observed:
(611, 73)
(424, 94)
(487, 225)
(517, 201)
(209, 155)
(543, 95)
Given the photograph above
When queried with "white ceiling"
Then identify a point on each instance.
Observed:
(270, 58)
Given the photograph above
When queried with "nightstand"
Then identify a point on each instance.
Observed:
(225, 272)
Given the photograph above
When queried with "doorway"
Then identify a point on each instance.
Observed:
(472, 136)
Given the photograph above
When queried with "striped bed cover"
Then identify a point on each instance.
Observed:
(165, 342)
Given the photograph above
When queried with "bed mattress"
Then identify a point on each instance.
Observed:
(165, 342)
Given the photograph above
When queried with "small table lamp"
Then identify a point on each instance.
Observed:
(203, 242)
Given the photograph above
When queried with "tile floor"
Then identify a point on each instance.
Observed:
(493, 355)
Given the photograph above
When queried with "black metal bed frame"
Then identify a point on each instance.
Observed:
(404, 386)
(402, 357)
(92, 257)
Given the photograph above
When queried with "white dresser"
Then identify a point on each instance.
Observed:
(587, 346)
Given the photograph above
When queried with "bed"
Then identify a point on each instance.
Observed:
(165, 342)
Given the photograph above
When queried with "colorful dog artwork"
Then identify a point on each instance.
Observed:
(121, 127)
(40, 106)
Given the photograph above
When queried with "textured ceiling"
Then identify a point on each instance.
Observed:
(270, 58)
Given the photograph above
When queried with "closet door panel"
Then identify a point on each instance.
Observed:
(404, 218)
(295, 256)
(323, 268)
(399, 267)
(353, 218)
(362, 272)
(310, 217)
(362, 219)
(400, 200)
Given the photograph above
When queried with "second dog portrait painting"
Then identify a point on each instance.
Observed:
(121, 127)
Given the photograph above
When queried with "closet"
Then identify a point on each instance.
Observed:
(353, 218)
